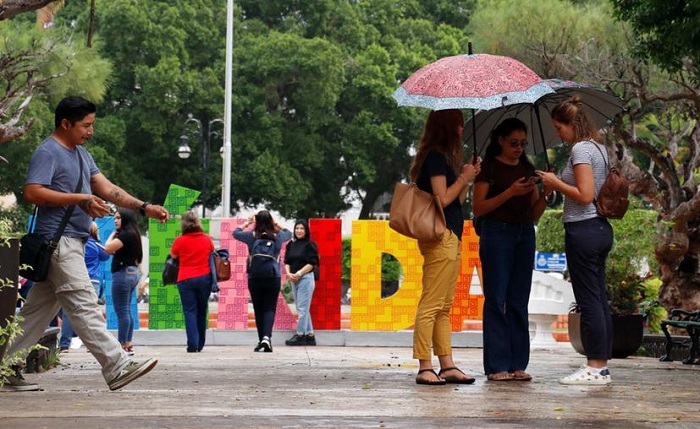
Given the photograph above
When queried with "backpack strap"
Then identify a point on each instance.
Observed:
(607, 168)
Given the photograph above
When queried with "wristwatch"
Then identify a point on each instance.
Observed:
(142, 209)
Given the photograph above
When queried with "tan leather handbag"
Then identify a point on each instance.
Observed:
(416, 214)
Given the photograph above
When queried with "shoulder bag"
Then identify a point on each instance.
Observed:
(416, 214)
(170, 270)
(35, 251)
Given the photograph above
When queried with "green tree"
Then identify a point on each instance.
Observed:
(38, 68)
(668, 30)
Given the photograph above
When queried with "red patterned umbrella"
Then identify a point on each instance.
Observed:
(478, 81)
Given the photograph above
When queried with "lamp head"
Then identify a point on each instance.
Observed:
(184, 150)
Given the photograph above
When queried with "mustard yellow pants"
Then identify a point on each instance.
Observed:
(440, 269)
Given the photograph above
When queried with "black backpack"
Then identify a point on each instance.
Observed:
(263, 260)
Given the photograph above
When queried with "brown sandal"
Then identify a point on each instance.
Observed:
(520, 375)
(500, 376)
(438, 382)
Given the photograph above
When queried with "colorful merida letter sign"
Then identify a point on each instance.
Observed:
(369, 312)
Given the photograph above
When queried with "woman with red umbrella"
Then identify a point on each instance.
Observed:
(438, 169)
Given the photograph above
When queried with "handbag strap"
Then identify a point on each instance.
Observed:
(69, 211)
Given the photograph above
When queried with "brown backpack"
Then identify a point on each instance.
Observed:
(612, 201)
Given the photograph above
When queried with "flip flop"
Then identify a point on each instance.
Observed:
(438, 382)
(500, 376)
(456, 380)
(520, 375)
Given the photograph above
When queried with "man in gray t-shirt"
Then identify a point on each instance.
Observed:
(54, 172)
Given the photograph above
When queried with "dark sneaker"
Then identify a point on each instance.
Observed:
(265, 345)
(296, 340)
(310, 339)
(258, 348)
(17, 383)
(131, 372)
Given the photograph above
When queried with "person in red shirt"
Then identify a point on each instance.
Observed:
(194, 278)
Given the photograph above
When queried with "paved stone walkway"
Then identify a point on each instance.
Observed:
(334, 387)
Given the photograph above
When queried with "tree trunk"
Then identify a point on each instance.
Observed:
(678, 254)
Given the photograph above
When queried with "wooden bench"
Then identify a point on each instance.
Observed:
(690, 321)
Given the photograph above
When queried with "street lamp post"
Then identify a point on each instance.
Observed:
(184, 150)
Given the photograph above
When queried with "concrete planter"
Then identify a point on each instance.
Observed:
(628, 332)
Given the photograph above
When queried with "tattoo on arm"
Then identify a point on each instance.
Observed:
(118, 196)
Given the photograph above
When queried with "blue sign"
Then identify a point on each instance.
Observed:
(550, 261)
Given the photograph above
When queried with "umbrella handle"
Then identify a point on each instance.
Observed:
(474, 158)
(544, 147)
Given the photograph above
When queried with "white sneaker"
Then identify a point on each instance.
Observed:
(587, 376)
(76, 343)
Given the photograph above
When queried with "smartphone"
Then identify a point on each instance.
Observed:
(532, 179)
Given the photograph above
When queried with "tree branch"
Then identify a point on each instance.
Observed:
(12, 8)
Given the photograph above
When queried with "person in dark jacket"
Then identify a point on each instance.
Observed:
(300, 259)
(264, 291)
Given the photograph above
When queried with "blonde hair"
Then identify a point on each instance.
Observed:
(94, 231)
(570, 112)
(190, 223)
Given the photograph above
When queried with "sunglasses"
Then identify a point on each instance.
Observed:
(517, 143)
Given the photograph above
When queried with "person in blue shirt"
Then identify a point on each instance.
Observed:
(59, 166)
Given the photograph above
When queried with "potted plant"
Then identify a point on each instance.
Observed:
(630, 265)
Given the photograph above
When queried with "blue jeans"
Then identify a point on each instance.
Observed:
(124, 284)
(587, 245)
(507, 253)
(303, 291)
(194, 296)
(67, 332)
(264, 293)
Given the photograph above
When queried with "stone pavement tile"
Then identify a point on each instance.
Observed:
(333, 387)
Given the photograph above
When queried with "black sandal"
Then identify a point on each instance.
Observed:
(438, 382)
(456, 380)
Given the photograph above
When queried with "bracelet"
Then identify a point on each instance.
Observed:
(142, 209)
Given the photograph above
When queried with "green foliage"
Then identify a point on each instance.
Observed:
(667, 30)
(287, 292)
(630, 262)
(651, 308)
(12, 329)
(346, 255)
(391, 268)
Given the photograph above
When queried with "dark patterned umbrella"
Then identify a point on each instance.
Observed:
(600, 106)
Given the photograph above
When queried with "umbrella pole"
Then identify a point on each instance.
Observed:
(474, 157)
(544, 147)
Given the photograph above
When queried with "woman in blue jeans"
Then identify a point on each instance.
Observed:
(509, 203)
(194, 278)
(125, 246)
(300, 259)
